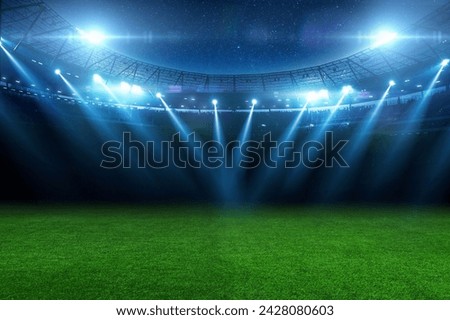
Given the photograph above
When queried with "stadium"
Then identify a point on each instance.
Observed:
(128, 179)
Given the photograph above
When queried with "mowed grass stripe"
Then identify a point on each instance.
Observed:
(204, 252)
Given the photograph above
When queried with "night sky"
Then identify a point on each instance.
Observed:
(232, 36)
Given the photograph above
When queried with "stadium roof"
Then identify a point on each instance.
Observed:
(33, 24)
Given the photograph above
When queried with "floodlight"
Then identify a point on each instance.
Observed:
(445, 62)
(347, 90)
(383, 38)
(125, 87)
(94, 37)
(58, 72)
(215, 102)
(135, 89)
(392, 83)
(254, 102)
(312, 96)
(323, 94)
(97, 78)
(159, 95)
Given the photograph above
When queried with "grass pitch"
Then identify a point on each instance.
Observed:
(195, 252)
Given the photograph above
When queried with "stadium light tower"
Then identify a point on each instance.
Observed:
(215, 102)
(392, 83)
(254, 102)
(445, 62)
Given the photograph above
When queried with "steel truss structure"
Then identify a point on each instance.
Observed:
(32, 24)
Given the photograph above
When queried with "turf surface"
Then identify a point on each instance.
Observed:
(194, 252)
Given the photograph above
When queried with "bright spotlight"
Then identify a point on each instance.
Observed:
(95, 37)
(392, 83)
(323, 94)
(312, 96)
(125, 87)
(347, 90)
(215, 102)
(254, 102)
(58, 72)
(445, 62)
(159, 95)
(383, 38)
(97, 78)
(137, 90)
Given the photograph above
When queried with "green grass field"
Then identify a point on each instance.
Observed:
(195, 252)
